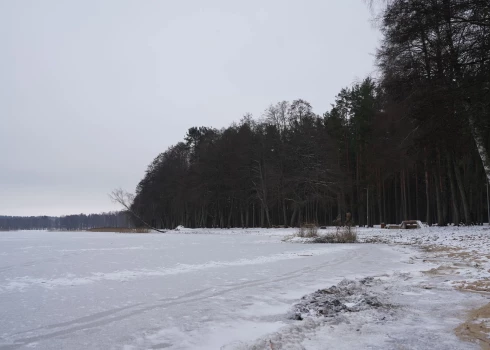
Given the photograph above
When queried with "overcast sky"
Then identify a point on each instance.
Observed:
(92, 91)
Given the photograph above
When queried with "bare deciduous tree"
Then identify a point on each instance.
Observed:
(126, 199)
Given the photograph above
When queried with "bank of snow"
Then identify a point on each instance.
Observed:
(243, 289)
(425, 308)
(417, 310)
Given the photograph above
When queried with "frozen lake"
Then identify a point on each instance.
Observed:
(61, 290)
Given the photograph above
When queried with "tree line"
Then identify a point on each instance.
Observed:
(66, 223)
(411, 144)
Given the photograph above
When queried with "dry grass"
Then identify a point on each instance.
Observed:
(441, 271)
(475, 328)
(308, 231)
(479, 286)
(119, 230)
(347, 234)
(376, 239)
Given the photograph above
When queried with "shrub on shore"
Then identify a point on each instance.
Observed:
(308, 231)
(345, 234)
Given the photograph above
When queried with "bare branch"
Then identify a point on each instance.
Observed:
(126, 199)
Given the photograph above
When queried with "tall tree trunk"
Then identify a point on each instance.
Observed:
(417, 206)
(462, 192)
(454, 200)
(316, 212)
(267, 216)
(404, 195)
(440, 216)
(379, 195)
(358, 187)
(409, 197)
(221, 219)
(262, 193)
(247, 217)
(262, 216)
(229, 214)
(284, 212)
(293, 217)
(253, 214)
(427, 196)
(442, 188)
(397, 201)
(384, 201)
(339, 206)
(480, 143)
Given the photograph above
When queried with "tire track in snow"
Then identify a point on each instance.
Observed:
(22, 283)
(107, 317)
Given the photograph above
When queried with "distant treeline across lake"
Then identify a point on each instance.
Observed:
(68, 222)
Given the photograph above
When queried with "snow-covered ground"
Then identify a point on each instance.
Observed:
(238, 289)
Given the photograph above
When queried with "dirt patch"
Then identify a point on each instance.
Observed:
(441, 270)
(461, 255)
(348, 296)
(482, 285)
(439, 249)
(477, 327)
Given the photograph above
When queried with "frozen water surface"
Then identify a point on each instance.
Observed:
(62, 290)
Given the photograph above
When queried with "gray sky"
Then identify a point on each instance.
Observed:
(91, 91)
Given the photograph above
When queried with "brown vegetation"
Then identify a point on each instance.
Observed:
(119, 230)
(345, 234)
(476, 328)
(308, 231)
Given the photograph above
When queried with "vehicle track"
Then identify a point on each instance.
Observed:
(110, 316)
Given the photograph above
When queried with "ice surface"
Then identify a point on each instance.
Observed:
(232, 290)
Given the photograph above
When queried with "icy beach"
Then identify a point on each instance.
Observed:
(239, 289)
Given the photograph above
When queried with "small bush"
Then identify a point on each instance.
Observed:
(312, 231)
(308, 231)
(301, 232)
(345, 234)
